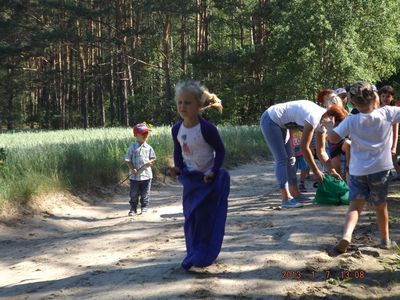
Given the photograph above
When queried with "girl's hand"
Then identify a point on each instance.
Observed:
(134, 171)
(209, 177)
(174, 171)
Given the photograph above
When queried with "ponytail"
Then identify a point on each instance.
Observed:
(213, 101)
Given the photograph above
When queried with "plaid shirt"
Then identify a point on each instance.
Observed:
(138, 155)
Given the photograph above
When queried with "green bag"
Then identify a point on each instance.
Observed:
(332, 191)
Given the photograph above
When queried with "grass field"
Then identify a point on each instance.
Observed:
(44, 161)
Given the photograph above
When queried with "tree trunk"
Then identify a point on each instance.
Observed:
(184, 41)
(166, 68)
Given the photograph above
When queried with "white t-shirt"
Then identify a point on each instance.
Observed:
(197, 154)
(371, 139)
(295, 113)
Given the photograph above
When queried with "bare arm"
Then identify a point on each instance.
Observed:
(305, 146)
(395, 138)
(328, 123)
(323, 157)
(131, 167)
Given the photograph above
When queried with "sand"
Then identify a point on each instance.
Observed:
(75, 249)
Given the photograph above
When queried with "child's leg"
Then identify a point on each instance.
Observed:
(350, 223)
(145, 194)
(304, 171)
(379, 183)
(359, 192)
(134, 194)
(352, 215)
(346, 149)
(303, 175)
(335, 161)
(382, 217)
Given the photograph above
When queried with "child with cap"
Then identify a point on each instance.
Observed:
(370, 163)
(139, 158)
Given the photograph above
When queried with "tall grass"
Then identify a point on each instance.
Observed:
(38, 162)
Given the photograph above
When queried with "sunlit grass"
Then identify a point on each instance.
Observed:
(36, 162)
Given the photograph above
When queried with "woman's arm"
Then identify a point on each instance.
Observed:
(305, 146)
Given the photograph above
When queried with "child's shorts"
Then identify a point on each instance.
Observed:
(372, 188)
(301, 163)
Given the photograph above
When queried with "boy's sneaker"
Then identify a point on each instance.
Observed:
(132, 212)
(341, 247)
(144, 210)
(291, 203)
(302, 188)
(388, 244)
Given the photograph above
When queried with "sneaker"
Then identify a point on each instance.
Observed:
(132, 212)
(341, 247)
(388, 244)
(291, 203)
(302, 188)
(144, 210)
(302, 198)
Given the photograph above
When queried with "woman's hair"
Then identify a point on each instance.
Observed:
(322, 94)
(336, 111)
(193, 87)
(361, 93)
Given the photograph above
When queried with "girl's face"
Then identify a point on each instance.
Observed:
(386, 98)
(188, 106)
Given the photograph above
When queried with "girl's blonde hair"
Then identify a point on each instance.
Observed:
(201, 94)
(193, 87)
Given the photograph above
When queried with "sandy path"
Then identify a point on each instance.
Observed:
(83, 251)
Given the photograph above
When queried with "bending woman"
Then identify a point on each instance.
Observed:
(275, 122)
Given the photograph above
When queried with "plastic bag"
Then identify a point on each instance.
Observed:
(332, 191)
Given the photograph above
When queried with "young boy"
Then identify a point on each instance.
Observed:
(139, 158)
(370, 159)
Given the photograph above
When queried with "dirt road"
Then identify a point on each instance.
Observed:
(77, 250)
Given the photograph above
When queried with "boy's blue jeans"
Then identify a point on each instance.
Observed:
(277, 139)
(139, 189)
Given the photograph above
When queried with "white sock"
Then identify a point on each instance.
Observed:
(347, 237)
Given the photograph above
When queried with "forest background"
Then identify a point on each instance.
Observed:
(91, 63)
(70, 66)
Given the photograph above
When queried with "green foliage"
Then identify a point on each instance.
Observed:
(252, 54)
(326, 44)
(45, 161)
